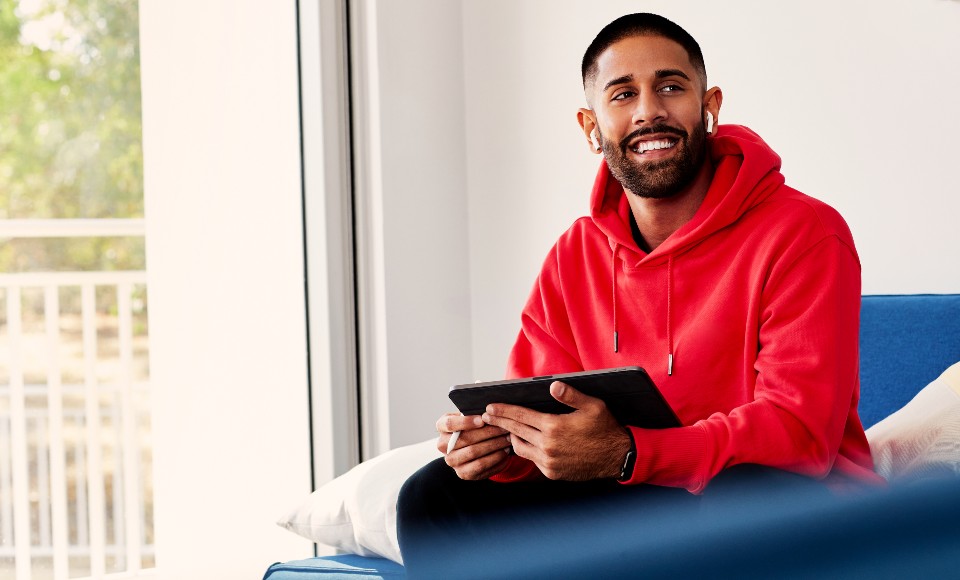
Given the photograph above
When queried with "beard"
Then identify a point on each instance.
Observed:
(658, 179)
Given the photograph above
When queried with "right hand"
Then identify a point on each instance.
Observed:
(481, 451)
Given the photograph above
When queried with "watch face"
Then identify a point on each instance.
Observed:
(627, 470)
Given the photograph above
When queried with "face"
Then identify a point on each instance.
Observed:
(649, 107)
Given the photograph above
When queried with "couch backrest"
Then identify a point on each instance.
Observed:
(906, 341)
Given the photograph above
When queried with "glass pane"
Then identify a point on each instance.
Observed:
(5, 350)
(110, 405)
(33, 352)
(70, 148)
(70, 143)
(71, 336)
(6, 485)
(144, 430)
(39, 477)
(108, 353)
(77, 500)
(141, 362)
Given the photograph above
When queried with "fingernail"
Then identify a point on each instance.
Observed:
(478, 422)
(560, 388)
(486, 418)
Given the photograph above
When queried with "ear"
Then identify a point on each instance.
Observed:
(588, 122)
(712, 100)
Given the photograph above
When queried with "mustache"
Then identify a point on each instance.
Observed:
(643, 131)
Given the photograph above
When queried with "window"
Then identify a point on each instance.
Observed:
(75, 434)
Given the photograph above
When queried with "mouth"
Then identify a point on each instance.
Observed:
(641, 147)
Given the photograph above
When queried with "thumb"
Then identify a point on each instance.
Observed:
(570, 396)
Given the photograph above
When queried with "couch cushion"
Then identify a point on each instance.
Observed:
(345, 566)
(357, 512)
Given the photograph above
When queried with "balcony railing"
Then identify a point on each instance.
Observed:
(76, 495)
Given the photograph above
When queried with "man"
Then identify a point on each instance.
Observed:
(739, 295)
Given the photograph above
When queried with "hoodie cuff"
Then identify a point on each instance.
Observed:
(670, 457)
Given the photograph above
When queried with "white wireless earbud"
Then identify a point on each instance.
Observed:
(595, 141)
(709, 122)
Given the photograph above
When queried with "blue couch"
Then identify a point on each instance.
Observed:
(911, 530)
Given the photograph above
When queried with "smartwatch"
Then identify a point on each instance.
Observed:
(626, 471)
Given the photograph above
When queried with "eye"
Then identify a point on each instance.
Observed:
(622, 95)
(671, 88)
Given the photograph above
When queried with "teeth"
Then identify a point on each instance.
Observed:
(644, 146)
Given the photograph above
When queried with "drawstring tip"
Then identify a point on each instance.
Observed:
(616, 342)
(670, 365)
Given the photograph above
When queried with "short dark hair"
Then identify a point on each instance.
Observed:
(641, 24)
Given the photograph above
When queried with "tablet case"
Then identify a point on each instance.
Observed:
(629, 393)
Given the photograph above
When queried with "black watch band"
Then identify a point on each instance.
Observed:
(626, 471)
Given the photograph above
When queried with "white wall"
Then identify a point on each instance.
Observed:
(413, 211)
(225, 266)
(858, 97)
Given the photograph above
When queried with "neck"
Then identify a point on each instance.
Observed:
(657, 219)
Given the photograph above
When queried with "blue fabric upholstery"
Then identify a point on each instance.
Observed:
(905, 342)
(346, 566)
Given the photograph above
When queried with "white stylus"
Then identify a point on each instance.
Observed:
(453, 441)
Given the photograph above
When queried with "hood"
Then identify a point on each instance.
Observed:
(746, 171)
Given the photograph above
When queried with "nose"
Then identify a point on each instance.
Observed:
(650, 108)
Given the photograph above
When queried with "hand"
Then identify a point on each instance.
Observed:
(585, 444)
(481, 450)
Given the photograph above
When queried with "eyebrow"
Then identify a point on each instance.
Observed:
(617, 81)
(671, 72)
(660, 74)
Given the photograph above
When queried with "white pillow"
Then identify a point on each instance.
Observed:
(922, 438)
(357, 512)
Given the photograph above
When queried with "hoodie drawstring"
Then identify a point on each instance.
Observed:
(670, 316)
(616, 337)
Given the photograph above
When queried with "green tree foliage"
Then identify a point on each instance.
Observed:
(70, 132)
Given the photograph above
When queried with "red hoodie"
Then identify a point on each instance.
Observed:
(746, 318)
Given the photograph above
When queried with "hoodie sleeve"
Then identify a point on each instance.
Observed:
(545, 345)
(806, 386)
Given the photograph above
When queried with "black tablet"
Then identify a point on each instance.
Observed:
(628, 392)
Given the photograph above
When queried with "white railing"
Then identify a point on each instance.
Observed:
(75, 451)
(72, 228)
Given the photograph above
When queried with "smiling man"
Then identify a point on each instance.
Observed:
(739, 295)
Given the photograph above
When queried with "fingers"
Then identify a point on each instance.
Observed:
(485, 467)
(456, 422)
(523, 448)
(518, 422)
(480, 460)
(572, 397)
(471, 437)
(573, 446)
(516, 414)
(473, 452)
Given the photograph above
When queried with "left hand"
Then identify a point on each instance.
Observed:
(585, 444)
